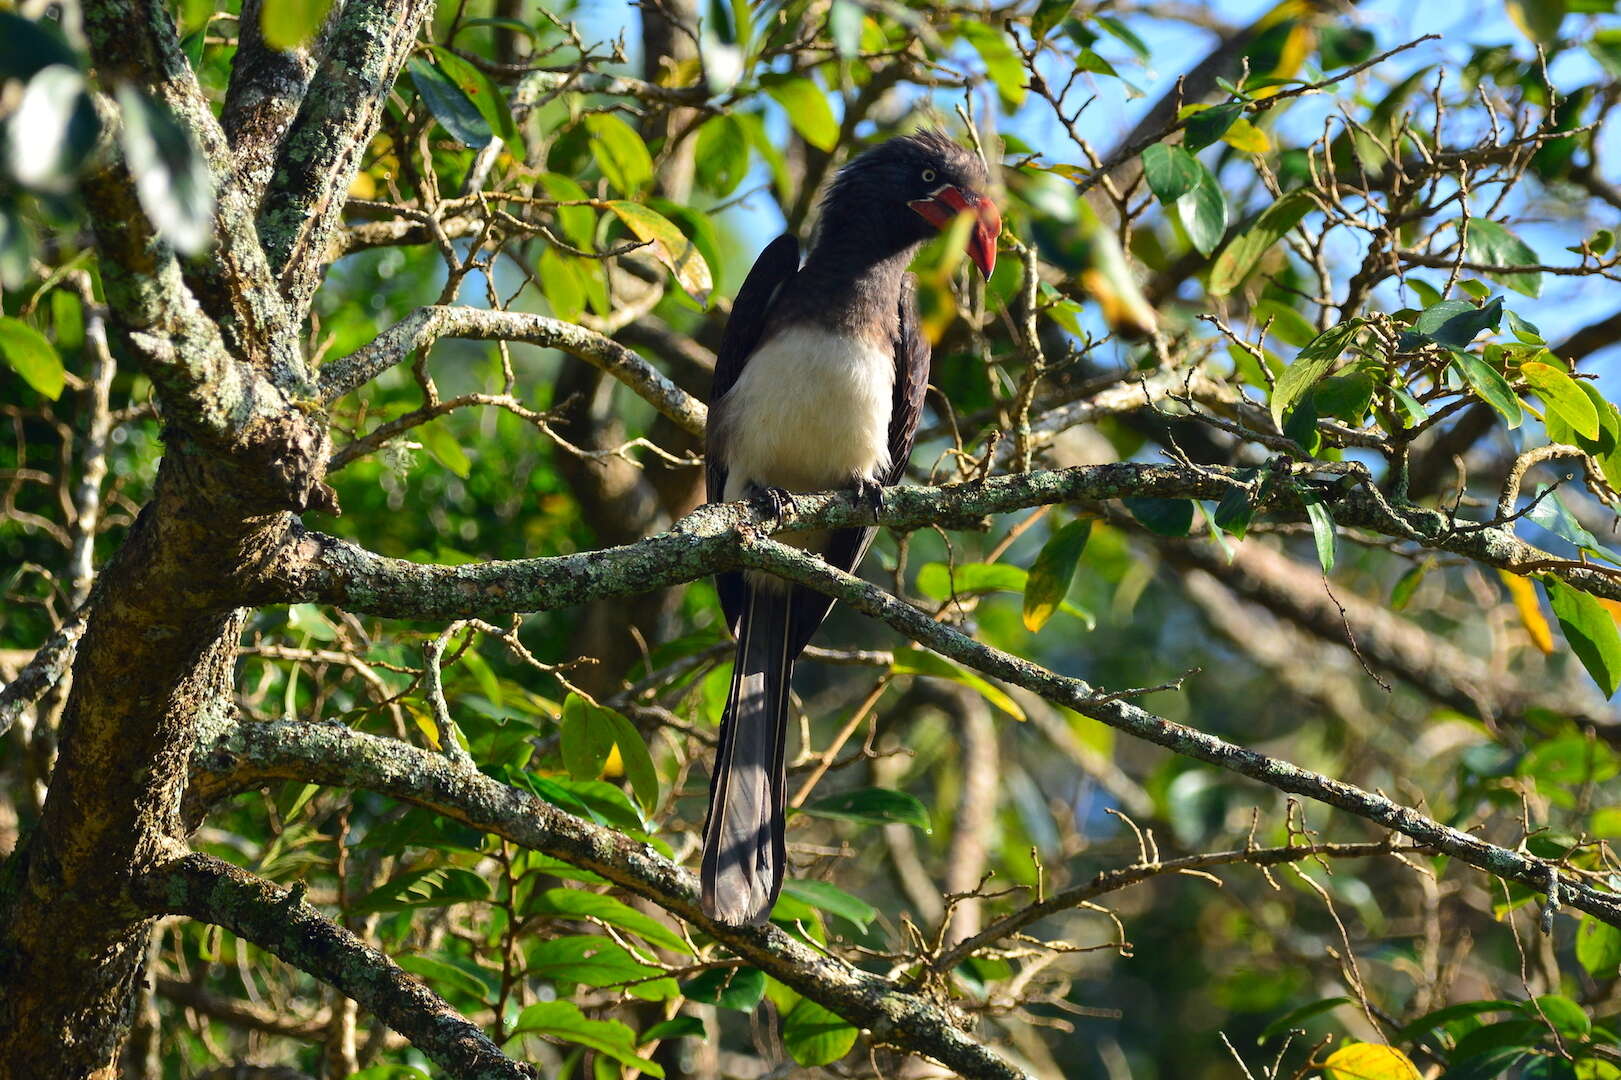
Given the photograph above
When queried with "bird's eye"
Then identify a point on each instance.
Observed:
(928, 176)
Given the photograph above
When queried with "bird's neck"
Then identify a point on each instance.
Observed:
(855, 269)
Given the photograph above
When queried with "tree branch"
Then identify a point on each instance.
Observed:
(424, 326)
(795, 565)
(250, 754)
(278, 921)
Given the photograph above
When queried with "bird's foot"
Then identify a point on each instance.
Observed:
(775, 501)
(870, 493)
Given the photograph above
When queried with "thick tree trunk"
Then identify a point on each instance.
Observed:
(156, 656)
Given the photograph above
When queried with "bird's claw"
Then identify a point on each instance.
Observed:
(871, 493)
(776, 501)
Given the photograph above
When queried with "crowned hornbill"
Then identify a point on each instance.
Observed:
(819, 384)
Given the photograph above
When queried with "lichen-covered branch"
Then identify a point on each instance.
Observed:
(316, 567)
(246, 755)
(795, 565)
(278, 921)
(322, 148)
(426, 325)
(42, 672)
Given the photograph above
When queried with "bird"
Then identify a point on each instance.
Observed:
(819, 385)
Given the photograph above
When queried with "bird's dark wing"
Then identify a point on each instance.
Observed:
(846, 547)
(775, 267)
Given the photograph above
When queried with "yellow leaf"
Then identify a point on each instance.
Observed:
(614, 767)
(425, 724)
(1246, 137)
(363, 186)
(1368, 1061)
(669, 245)
(1525, 602)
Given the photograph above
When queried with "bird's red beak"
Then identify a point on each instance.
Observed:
(946, 202)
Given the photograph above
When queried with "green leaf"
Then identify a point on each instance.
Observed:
(1049, 13)
(432, 887)
(1401, 594)
(1310, 365)
(739, 989)
(1002, 64)
(485, 96)
(1172, 172)
(722, 155)
(172, 181)
(564, 1020)
(1589, 630)
(439, 441)
(1240, 256)
(288, 24)
(637, 762)
(587, 738)
(1052, 572)
(814, 1036)
(939, 581)
(807, 109)
(677, 1027)
(832, 899)
(595, 960)
(1344, 396)
(1524, 332)
(1598, 947)
(1484, 380)
(1322, 532)
(1494, 245)
(1562, 394)
(1207, 125)
(579, 904)
(1295, 1017)
(1164, 517)
(444, 976)
(31, 356)
(1236, 510)
(875, 806)
(922, 662)
(1432, 1020)
(1203, 212)
(620, 153)
(1290, 327)
(670, 245)
(1569, 1018)
(453, 109)
(1124, 34)
(1457, 322)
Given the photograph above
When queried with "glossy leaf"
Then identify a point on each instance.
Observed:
(486, 97)
(814, 1036)
(1562, 394)
(1209, 124)
(620, 153)
(1457, 322)
(669, 245)
(1491, 386)
(922, 662)
(1236, 261)
(1492, 243)
(874, 806)
(564, 1020)
(1589, 630)
(1310, 365)
(27, 352)
(1203, 212)
(1322, 532)
(1052, 572)
(453, 109)
(580, 904)
(1171, 171)
(807, 108)
(832, 899)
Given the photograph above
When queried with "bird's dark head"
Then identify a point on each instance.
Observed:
(910, 187)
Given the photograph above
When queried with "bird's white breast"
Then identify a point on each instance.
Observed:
(810, 412)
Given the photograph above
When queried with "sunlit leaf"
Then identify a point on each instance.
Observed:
(813, 1035)
(1562, 394)
(27, 352)
(1310, 364)
(807, 109)
(1369, 1061)
(1322, 532)
(1052, 572)
(1240, 256)
(1171, 171)
(1246, 137)
(1589, 630)
(923, 662)
(1002, 63)
(564, 1020)
(437, 438)
(52, 130)
(1484, 380)
(580, 904)
(1207, 124)
(486, 97)
(453, 109)
(722, 154)
(1203, 212)
(1524, 595)
(288, 24)
(832, 899)
(669, 245)
(1598, 947)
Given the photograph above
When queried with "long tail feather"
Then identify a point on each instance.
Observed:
(744, 852)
